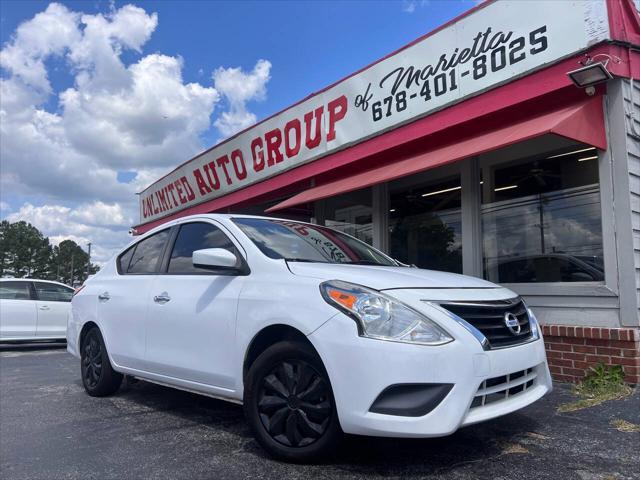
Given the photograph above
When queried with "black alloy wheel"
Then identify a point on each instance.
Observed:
(289, 403)
(98, 376)
(92, 361)
(294, 403)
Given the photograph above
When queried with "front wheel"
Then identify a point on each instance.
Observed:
(98, 377)
(289, 404)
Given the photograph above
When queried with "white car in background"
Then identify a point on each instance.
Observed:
(314, 331)
(32, 309)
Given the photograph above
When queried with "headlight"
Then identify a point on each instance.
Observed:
(382, 317)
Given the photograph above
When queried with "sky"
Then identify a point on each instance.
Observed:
(98, 99)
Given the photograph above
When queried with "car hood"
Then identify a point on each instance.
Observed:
(384, 278)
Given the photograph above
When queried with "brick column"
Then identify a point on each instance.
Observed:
(572, 350)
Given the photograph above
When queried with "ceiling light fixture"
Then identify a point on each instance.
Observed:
(587, 158)
(571, 153)
(508, 187)
(441, 191)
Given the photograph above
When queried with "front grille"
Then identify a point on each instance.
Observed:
(504, 387)
(489, 318)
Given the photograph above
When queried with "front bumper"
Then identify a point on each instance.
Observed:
(361, 368)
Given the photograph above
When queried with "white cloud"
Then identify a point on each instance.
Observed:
(104, 225)
(66, 147)
(47, 33)
(410, 6)
(238, 88)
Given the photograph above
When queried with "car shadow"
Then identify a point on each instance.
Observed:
(357, 454)
(32, 345)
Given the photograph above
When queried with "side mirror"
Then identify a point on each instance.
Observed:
(214, 258)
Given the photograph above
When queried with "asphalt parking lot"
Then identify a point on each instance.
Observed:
(50, 429)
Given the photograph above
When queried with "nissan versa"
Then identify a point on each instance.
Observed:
(315, 332)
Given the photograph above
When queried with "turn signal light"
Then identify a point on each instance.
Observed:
(345, 299)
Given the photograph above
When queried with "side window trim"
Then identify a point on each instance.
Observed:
(33, 292)
(168, 248)
(133, 253)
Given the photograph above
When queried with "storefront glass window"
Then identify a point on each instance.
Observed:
(541, 219)
(351, 213)
(425, 225)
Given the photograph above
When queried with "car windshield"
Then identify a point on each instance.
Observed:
(302, 242)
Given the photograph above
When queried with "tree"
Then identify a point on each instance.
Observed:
(71, 261)
(433, 240)
(26, 252)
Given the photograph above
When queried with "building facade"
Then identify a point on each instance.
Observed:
(472, 151)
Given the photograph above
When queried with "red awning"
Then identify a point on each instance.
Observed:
(583, 122)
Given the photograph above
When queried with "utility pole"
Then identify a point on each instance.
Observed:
(71, 280)
(88, 260)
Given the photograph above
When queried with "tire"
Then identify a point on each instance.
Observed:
(98, 377)
(289, 404)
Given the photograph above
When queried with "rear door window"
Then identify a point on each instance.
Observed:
(50, 292)
(148, 253)
(196, 236)
(125, 259)
(15, 291)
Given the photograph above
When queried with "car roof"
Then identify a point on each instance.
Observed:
(8, 279)
(213, 216)
(229, 216)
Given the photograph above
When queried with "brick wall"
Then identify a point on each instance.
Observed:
(572, 350)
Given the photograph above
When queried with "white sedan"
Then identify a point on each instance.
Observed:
(314, 331)
(32, 309)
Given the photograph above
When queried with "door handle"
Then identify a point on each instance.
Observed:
(44, 307)
(162, 298)
(104, 296)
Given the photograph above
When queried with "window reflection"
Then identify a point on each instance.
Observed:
(425, 225)
(301, 242)
(192, 237)
(541, 220)
(351, 213)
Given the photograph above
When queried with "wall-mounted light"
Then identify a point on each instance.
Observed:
(592, 73)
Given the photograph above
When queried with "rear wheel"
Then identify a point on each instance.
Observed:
(289, 404)
(98, 377)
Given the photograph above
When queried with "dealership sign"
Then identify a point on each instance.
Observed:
(489, 47)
